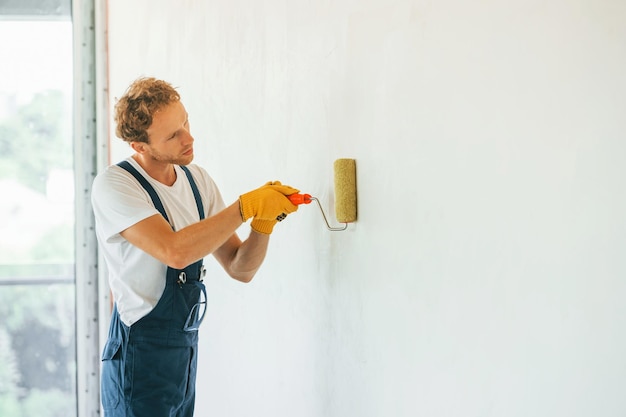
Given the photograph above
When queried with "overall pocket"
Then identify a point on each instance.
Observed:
(190, 305)
(112, 366)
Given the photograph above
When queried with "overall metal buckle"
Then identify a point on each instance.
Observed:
(182, 279)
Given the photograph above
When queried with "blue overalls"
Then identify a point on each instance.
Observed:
(149, 368)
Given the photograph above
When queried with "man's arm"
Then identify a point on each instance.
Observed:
(178, 249)
(241, 260)
(214, 235)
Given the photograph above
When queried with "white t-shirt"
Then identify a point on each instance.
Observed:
(137, 279)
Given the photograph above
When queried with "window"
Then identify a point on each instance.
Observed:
(37, 262)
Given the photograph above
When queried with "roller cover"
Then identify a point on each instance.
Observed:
(345, 190)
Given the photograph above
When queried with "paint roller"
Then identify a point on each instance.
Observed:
(345, 194)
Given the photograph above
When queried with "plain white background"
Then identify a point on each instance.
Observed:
(485, 275)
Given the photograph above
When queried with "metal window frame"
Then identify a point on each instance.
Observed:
(46, 9)
(90, 155)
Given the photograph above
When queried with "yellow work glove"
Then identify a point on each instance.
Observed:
(267, 226)
(267, 202)
(263, 226)
(284, 189)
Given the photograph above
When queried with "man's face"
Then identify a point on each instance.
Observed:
(170, 140)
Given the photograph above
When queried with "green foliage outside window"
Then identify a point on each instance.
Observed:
(33, 141)
(37, 329)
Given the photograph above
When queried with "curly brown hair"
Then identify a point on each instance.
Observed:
(135, 109)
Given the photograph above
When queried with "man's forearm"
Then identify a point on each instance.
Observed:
(248, 258)
(200, 239)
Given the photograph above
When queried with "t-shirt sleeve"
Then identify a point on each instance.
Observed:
(118, 203)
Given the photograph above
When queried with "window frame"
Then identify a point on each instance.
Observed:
(90, 145)
(90, 156)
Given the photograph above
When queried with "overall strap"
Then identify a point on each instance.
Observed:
(196, 192)
(146, 185)
(153, 194)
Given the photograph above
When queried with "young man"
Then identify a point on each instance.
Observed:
(157, 217)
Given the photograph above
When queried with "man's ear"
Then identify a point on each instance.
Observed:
(139, 147)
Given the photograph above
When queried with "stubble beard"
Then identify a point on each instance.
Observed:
(169, 159)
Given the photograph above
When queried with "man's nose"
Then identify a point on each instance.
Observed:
(187, 138)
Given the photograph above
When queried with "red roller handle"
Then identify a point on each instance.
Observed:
(297, 199)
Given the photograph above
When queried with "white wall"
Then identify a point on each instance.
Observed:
(486, 273)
